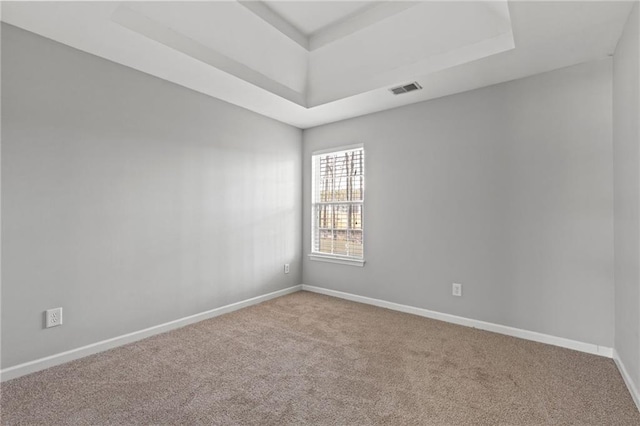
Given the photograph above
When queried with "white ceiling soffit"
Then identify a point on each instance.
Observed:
(425, 38)
(428, 37)
(209, 32)
(315, 65)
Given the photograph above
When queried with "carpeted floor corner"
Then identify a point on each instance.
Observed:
(312, 359)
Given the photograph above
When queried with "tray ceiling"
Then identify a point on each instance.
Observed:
(310, 63)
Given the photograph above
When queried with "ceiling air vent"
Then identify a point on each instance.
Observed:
(406, 88)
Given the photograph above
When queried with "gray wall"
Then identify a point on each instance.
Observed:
(130, 201)
(626, 143)
(507, 190)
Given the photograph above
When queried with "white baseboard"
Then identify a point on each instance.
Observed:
(482, 325)
(633, 390)
(63, 357)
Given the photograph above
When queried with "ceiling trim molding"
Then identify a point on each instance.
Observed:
(153, 30)
(276, 21)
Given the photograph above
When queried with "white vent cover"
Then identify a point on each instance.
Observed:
(406, 88)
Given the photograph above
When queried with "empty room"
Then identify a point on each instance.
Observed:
(320, 213)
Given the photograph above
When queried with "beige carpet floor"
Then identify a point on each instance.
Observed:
(312, 359)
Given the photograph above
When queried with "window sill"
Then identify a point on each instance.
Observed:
(337, 259)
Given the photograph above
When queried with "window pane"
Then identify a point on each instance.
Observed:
(325, 216)
(341, 214)
(326, 190)
(326, 241)
(355, 216)
(347, 243)
(347, 216)
(340, 244)
(354, 244)
(341, 176)
(357, 185)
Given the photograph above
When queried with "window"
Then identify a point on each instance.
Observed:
(337, 205)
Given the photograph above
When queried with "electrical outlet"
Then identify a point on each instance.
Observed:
(286, 268)
(457, 289)
(53, 317)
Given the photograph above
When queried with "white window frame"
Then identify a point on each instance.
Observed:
(327, 257)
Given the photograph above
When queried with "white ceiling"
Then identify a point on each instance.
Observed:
(310, 16)
(311, 63)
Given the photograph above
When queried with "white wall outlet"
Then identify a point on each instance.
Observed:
(457, 289)
(54, 317)
(286, 268)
